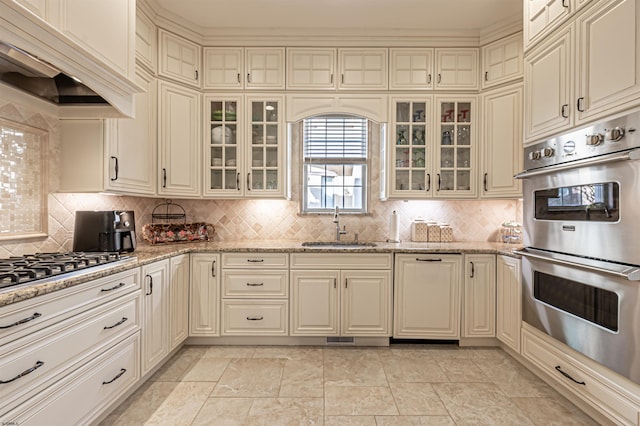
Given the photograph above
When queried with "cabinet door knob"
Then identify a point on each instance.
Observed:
(429, 78)
(248, 181)
(248, 77)
(473, 270)
(238, 77)
(238, 181)
(196, 75)
(150, 285)
(164, 178)
(486, 177)
(580, 104)
(486, 76)
(213, 268)
(438, 188)
(564, 111)
(439, 77)
(428, 182)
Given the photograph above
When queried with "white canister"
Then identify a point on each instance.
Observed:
(419, 230)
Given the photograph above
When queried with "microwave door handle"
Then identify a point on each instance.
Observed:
(605, 159)
(628, 272)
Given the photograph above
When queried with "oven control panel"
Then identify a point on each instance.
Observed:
(599, 139)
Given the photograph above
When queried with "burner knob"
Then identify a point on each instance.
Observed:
(615, 134)
(594, 140)
(548, 152)
(534, 155)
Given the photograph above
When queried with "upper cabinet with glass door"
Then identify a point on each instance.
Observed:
(223, 154)
(265, 158)
(411, 147)
(245, 155)
(456, 148)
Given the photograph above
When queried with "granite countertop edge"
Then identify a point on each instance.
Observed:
(146, 253)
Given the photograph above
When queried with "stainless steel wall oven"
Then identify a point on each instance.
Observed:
(581, 263)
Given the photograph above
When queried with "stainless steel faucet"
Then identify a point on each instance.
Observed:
(336, 220)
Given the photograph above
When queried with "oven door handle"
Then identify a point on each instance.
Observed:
(605, 159)
(630, 273)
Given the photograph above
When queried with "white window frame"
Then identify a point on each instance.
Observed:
(334, 160)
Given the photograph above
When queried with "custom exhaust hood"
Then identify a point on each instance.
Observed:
(52, 64)
(41, 79)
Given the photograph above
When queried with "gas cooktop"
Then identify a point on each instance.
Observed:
(34, 267)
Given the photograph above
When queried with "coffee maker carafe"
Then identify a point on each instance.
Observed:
(111, 230)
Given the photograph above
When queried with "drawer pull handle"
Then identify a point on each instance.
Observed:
(255, 318)
(24, 373)
(150, 292)
(122, 321)
(114, 288)
(255, 284)
(255, 260)
(213, 264)
(122, 371)
(428, 260)
(568, 376)
(22, 321)
(473, 270)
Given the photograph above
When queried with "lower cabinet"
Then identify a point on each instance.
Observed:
(255, 294)
(155, 310)
(354, 301)
(427, 296)
(508, 301)
(616, 398)
(204, 295)
(178, 300)
(479, 296)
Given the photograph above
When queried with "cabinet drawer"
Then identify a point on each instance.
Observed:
(255, 260)
(597, 391)
(48, 354)
(31, 315)
(82, 396)
(254, 284)
(260, 317)
(340, 261)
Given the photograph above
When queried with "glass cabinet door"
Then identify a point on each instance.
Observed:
(455, 156)
(410, 157)
(224, 149)
(264, 165)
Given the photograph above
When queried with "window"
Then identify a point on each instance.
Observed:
(334, 164)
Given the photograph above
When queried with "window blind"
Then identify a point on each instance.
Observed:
(331, 138)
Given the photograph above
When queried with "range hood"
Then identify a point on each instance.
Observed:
(41, 79)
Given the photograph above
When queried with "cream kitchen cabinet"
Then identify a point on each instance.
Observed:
(508, 301)
(47, 339)
(179, 141)
(113, 155)
(427, 296)
(456, 69)
(244, 68)
(411, 68)
(155, 311)
(502, 61)
(479, 296)
(178, 300)
(340, 294)
(204, 295)
(571, 83)
(146, 42)
(608, 59)
(501, 150)
(428, 159)
(244, 148)
(542, 16)
(132, 144)
(363, 69)
(223, 68)
(179, 59)
(311, 68)
(547, 75)
(255, 291)
(609, 397)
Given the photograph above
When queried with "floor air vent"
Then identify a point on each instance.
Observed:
(340, 341)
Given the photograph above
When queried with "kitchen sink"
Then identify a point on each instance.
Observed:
(338, 244)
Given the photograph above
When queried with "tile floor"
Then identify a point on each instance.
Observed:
(396, 385)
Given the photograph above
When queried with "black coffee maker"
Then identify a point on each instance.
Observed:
(110, 230)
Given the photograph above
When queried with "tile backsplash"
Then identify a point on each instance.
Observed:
(471, 220)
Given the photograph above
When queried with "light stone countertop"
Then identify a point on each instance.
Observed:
(146, 253)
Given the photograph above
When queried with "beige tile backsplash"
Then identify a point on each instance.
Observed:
(472, 220)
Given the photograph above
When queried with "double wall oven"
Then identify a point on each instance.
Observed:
(581, 261)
